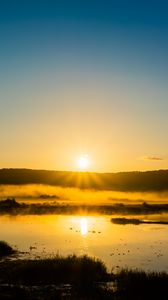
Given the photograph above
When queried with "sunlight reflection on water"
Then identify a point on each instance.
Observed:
(84, 226)
(132, 246)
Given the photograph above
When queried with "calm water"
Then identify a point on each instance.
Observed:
(143, 246)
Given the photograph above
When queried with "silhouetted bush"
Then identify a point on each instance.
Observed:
(5, 249)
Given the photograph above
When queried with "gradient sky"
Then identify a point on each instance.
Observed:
(85, 77)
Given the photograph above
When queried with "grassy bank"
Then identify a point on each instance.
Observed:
(56, 270)
(59, 277)
(139, 285)
(76, 277)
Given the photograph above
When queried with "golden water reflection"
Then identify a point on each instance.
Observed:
(83, 226)
(130, 246)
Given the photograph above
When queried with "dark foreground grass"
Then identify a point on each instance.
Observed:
(140, 285)
(66, 270)
(75, 278)
(5, 249)
(69, 277)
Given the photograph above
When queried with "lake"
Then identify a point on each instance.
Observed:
(143, 246)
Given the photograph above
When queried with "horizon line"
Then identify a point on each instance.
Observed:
(84, 172)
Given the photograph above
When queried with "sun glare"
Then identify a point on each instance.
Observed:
(83, 162)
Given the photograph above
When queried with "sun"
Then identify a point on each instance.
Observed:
(83, 162)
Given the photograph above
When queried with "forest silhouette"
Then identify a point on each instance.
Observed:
(122, 181)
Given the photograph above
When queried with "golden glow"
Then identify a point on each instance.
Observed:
(83, 226)
(83, 162)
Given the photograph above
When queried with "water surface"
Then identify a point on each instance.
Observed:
(143, 246)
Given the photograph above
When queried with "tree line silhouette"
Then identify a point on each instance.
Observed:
(122, 181)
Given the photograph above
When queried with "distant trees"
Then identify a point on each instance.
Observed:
(123, 181)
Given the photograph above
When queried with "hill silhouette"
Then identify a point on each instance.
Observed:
(122, 181)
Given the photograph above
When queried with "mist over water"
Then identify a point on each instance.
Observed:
(40, 192)
(86, 232)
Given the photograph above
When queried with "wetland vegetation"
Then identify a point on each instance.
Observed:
(77, 277)
(134, 221)
(11, 206)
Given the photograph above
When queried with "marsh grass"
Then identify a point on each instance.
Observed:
(81, 278)
(59, 277)
(70, 269)
(139, 285)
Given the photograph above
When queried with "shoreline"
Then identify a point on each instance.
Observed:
(11, 206)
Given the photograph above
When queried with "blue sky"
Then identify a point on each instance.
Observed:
(84, 77)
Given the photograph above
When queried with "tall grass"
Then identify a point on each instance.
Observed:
(81, 278)
(70, 269)
(139, 285)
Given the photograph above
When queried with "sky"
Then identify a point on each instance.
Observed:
(84, 77)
